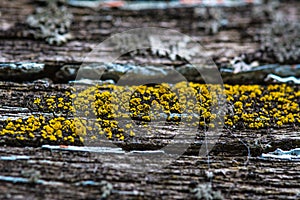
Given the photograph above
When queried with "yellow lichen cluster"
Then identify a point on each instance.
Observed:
(175, 104)
(257, 106)
(22, 129)
(41, 130)
(109, 110)
(56, 103)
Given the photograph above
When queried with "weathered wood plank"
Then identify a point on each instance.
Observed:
(53, 174)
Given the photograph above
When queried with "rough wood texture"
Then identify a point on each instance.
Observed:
(91, 27)
(258, 179)
(61, 174)
(239, 172)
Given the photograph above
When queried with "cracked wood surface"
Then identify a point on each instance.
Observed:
(91, 27)
(258, 179)
(235, 175)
